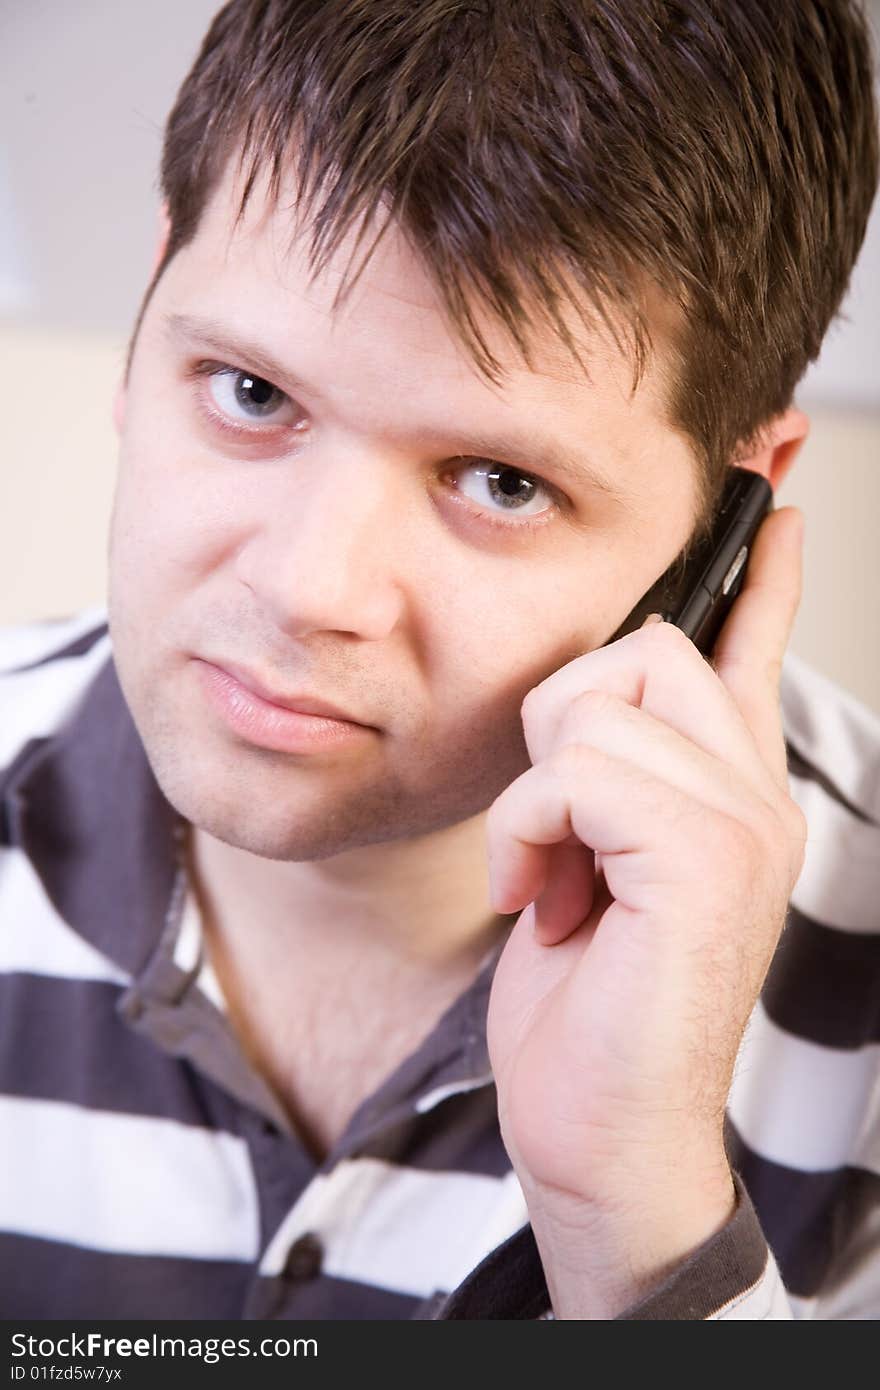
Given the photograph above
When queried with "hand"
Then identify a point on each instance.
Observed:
(653, 846)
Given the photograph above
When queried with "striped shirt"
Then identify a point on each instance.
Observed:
(148, 1171)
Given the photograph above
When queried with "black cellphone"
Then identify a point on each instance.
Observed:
(698, 590)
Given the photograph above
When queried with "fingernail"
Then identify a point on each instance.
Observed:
(653, 618)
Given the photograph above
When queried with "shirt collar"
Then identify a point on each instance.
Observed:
(86, 809)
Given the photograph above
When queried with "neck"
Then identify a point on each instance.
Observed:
(420, 905)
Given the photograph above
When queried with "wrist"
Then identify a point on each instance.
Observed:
(600, 1258)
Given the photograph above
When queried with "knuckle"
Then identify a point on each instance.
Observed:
(498, 808)
(496, 828)
(730, 839)
(745, 842)
(597, 703)
(531, 706)
(700, 833)
(796, 824)
(780, 835)
(768, 826)
(568, 759)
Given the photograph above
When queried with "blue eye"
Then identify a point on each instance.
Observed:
(230, 387)
(237, 401)
(511, 491)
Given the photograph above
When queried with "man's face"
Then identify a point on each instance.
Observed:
(350, 535)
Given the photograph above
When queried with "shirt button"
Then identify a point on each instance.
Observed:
(133, 1007)
(304, 1258)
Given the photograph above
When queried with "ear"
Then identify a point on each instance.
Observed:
(162, 232)
(781, 441)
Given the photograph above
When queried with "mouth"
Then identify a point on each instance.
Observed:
(299, 702)
(290, 724)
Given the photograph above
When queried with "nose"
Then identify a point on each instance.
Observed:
(326, 550)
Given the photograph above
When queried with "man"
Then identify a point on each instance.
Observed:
(383, 942)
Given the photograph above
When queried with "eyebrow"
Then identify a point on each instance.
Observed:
(540, 451)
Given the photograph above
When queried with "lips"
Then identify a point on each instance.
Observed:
(300, 703)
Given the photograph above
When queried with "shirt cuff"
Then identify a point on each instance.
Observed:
(732, 1275)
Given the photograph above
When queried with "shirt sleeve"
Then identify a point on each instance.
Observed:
(732, 1275)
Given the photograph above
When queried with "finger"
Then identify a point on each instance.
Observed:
(567, 895)
(638, 824)
(750, 648)
(659, 670)
(621, 730)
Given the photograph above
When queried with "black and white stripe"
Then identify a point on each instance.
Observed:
(147, 1171)
(804, 1108)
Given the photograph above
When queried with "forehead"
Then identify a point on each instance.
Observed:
(269, 246)
(387, 365)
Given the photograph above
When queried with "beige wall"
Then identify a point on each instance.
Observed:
(59, 458)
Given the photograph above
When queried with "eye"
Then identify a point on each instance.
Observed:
(238, 398)
(513, 498)
(236, 401)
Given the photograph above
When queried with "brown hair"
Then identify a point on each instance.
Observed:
(724, 152)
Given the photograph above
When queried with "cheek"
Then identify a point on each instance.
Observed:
(170, 509)
(168, 525)
(489, 658)
(471, 749)
(497, 642)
